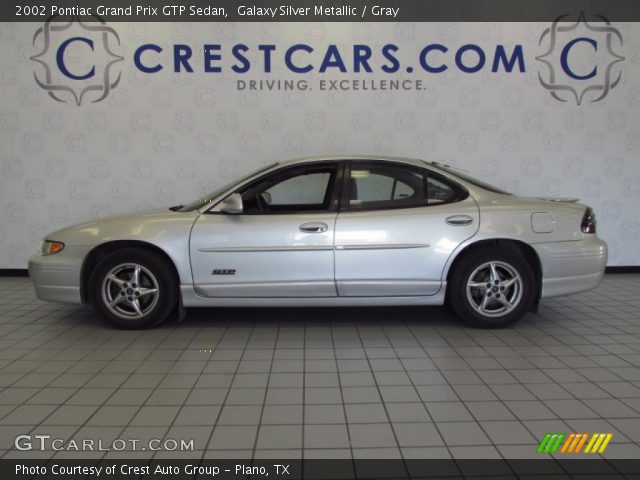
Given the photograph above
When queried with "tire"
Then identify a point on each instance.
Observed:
(492, 287)
(128, 304)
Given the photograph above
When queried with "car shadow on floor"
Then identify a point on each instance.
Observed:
(309, 316)
(215, 317)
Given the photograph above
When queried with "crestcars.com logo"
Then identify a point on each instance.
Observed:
(76, 59)
(593, 77)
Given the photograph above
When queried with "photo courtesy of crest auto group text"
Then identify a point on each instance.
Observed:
(350, 240)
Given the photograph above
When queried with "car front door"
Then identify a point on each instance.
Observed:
(280, 245)
(398, 224)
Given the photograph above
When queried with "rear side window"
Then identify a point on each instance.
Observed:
(439, 191)
(376, 185)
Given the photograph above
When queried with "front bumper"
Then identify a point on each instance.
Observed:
(571, 267)
(57, 277)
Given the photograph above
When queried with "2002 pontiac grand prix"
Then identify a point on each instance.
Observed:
(330, 231)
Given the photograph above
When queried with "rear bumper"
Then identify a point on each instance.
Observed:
(56, 278)
(571, 267)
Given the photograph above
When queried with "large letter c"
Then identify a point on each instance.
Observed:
(565, 62)
(60, 58)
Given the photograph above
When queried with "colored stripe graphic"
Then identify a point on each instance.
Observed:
(598, 442)
(550, 442)
(573, 443)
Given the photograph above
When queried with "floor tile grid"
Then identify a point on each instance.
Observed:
(166, 427)
(473, 449)
(266, 392)
(559, 324)
(205, 446)
(317, 348)
(133, 372)
(605, 339)
(370, 368)
(585, 304)
(527, 447)
(385, 407)
(120, 430)
(208, 445)
(79, 428)
(21, 326)
(587, 370)
(489, 386)
(344, 406)
(26, 373)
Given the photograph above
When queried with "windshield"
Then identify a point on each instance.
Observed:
(474, 181)
(202, 201)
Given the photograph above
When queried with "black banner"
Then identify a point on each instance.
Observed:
(319, 11)
(121, 469)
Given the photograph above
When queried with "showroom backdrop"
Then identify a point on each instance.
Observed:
(100, 121)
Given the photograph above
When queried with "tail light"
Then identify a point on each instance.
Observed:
(588, 224)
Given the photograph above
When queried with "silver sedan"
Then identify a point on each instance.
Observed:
(330, 231)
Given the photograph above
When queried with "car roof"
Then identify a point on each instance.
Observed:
(412, 161)
(471, 186)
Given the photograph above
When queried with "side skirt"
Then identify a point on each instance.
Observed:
(191, 299)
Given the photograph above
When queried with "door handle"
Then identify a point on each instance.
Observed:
(459, 220)
(314, 227)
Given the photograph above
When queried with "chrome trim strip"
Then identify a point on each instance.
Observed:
(316, 248)
(383, 246)
(301, 248)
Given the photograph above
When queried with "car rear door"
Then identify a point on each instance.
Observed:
(398, 224)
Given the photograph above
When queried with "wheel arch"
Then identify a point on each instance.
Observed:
(527, 251)
(98, 252)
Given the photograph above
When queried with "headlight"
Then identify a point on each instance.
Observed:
(51, 247)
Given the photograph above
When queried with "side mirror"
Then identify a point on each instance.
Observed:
(232, 204)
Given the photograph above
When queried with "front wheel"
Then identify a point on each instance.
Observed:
(492, 288)
(134, 288)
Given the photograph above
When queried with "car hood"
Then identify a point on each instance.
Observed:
(145, 225)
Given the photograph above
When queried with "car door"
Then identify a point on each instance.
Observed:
(280, 245)
(398, 224)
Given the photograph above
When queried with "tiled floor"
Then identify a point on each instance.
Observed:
(324, 383)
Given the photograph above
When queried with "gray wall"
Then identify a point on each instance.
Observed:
(165, 138)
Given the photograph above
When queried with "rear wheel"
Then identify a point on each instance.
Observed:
(134, 288)
(492, 288)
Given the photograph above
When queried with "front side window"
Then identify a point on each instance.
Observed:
(382, 186)
(306, 189)
(208, 198)
(296, 189)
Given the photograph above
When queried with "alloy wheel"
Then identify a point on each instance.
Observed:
(130, 291)
(494, 288)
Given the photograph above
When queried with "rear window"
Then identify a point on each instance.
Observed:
(383, 185)
(469, 179)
